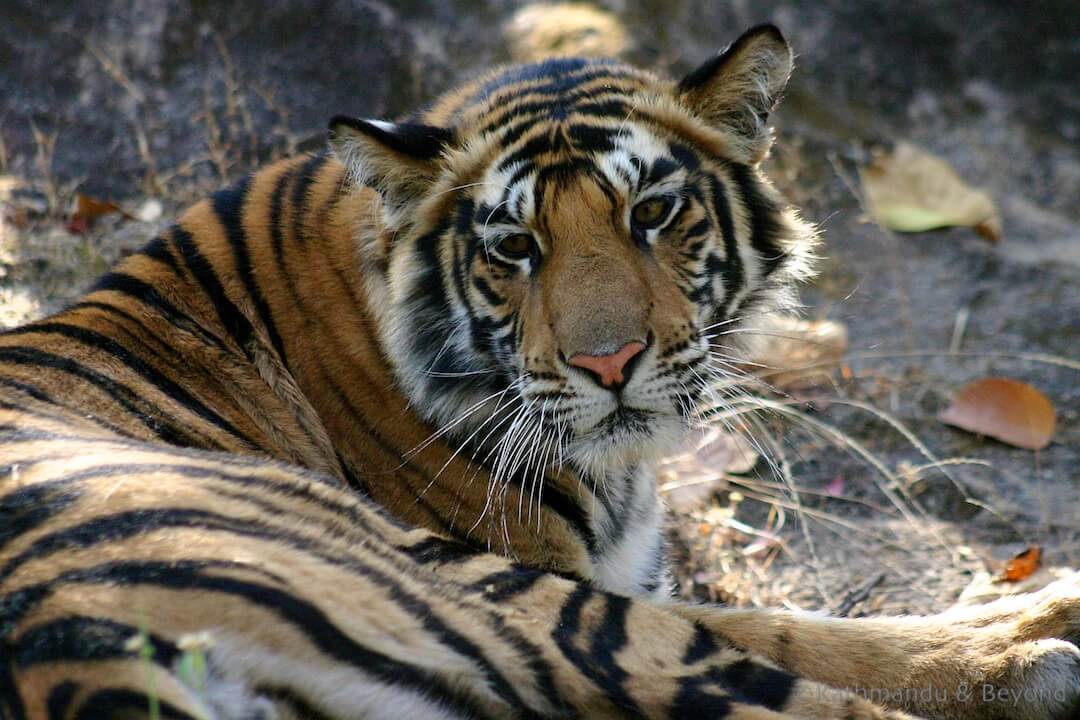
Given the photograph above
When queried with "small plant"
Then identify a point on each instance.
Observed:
(192, 664)
(141, 644)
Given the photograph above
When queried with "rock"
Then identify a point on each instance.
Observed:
(150, 211)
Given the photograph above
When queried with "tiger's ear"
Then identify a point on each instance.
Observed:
(399, 160)
(737, 89)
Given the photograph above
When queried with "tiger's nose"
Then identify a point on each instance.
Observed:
(610, 371)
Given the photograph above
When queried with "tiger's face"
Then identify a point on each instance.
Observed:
(598, 275)
(568, 245)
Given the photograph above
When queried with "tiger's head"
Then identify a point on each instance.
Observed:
(566, 247)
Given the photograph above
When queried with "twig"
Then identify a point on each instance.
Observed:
(3, 153)
(46, 146)
(116, 72)
(857, 595)
(958, 330)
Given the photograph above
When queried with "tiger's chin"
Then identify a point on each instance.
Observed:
(625, 439)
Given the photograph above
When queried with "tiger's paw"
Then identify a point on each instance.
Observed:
(1028, 665)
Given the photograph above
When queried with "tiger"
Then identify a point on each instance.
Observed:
(372, 434)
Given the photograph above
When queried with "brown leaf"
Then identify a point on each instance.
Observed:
(793, 352)
(1007, 410)
(689, 479)
(87, 210)
(910, 190)
(1022, 566)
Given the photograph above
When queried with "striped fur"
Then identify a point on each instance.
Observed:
(317, 452)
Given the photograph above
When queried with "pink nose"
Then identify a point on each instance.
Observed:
(610, 371)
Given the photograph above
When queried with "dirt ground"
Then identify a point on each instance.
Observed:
(151, 108)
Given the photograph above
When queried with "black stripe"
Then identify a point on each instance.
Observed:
(118, 526)
(589, 138)
(299, 706)
(60, 698)
(13, 433)
(229, 206)
(299, 487)
(701, 646)
(18, 355)
(352, 478)
(604, 101)
(686, 156)
(34, 392)
(485, 215)
(148, 295)
(158, 249)
(232, 320)
(147, 372)
(493, 298)
(766, 229)
(547, 141)
(137, 332)
(11, 704)
(598, 666)
(616, 108)
(609, 637)
(277, 201)
(437, 550)
(698, 696)
(127, 524)
(732, 268)
(757, 684)
(556, 75)
(300, 189)
(661, 168)
(31, 506)
(131, 523)
(505, 584)
(122, 702)
(77, 637)
(696, 230)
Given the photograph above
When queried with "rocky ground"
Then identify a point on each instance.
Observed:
(154, 102)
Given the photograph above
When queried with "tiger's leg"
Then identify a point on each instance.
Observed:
(1016, 658)
(612, 657)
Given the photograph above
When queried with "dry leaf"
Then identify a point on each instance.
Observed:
(836, 486)
(17, 217)
(1022, 566)
(1004, 409)
(799, 352)
(910, 190)
(87, 210)
(689, 479)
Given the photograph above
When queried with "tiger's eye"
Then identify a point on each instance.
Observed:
(649, 213)
(516, 246)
